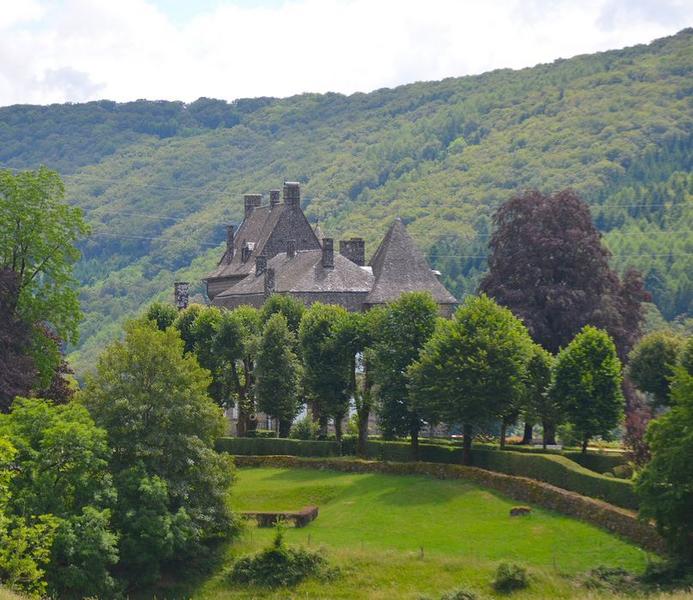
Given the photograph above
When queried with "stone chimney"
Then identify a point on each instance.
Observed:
(292, 194)
(181, 294)
(250, 202)
(274, 197)
(260, 264)
(291, 248)
(328, 253)
(269, 282)
(230, 231)
(354, 249)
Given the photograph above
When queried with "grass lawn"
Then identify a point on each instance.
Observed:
(405, 536)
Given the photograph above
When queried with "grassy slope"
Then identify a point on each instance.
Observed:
(374, 527)
(441, 154)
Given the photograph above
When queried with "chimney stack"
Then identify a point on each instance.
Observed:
(260, 264)
(230, 231)
(181, 294)
(292, 194)
(291, 248)
(354, 249)
(274, 198)
(269, 282)
(328, 253)
(250, 202)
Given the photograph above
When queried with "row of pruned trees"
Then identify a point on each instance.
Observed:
(404, 361)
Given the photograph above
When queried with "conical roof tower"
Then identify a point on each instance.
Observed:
(399, 266)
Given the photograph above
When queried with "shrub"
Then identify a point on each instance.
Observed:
(280, 566)
(305, 429)
(559, 471)
(264, 447)
(459, 594)
(261, 433)
(510, 577)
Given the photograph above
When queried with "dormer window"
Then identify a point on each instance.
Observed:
(247, 250)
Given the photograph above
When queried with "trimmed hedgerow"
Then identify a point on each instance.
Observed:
(265, 446)
(600, 463)
(559, 471)
(550, 468)
(617, 520)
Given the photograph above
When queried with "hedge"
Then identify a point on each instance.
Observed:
(617, 520)
(267, 446)
(601, 463)
(559, 471)
(550, 468)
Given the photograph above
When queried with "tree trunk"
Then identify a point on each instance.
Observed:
(414, 443)
(364, 415)
(504, 428)
(284, 428)
(338, 428)
(549, 437)
(467, 431)
(527, 437)
(584, 444)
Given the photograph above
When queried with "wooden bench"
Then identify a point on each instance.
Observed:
(300, 518)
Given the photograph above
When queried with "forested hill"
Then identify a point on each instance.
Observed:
(159, 179)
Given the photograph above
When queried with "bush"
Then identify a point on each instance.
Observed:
(261, 433)
(305, 429)
(559, 471)
(510, 577)
(459, 594)
(280, 566)
(263, 447)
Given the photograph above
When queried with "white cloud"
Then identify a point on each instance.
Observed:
(74, 50)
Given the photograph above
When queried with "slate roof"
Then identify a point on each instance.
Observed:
(256, 228)
(399, 266)
(305, 273)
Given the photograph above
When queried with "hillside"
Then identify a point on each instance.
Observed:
(159, 179)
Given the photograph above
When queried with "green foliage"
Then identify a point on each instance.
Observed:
(586, 383)
(162, 313)
(326, 364)
(24, 546)
(64, 481)
(459, 594)
(404, 328)
(38, 233)
(471, 370)
(270, 446)
(278, 372)
(280, 566)
(665, 485)
(305, 429)
(537, 403)
(290, 307)
(651, 364)
(687, 356)
(510, 577)
(152, 400)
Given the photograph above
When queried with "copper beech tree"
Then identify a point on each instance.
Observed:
(548, 265)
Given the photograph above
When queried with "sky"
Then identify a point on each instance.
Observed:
(80, 50)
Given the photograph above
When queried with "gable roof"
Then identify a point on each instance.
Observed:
(399, 266)
(304, 273)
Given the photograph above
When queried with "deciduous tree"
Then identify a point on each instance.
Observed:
(652, 362)
(404, 329)
(326, 364)
(472, 367)
(278, 373)
(38, 233)
(172, 485)
(586, 384)
(665, 484)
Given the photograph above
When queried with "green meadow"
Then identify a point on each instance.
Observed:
(410, 536)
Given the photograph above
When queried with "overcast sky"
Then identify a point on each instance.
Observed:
(78, 50)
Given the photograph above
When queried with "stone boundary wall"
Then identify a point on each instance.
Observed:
(619, 521)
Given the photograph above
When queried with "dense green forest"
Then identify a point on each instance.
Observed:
(158, 180)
